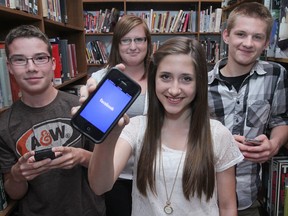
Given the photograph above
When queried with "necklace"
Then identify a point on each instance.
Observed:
(168, 208)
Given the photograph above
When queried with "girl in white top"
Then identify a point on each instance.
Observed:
(184, 162)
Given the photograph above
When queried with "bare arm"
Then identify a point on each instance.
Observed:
(107, 161)
(69, 157)
(227, 192)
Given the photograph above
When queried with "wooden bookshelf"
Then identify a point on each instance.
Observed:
(140, 6)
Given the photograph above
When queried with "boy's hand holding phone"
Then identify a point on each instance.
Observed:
(43, 154)
(253, 142)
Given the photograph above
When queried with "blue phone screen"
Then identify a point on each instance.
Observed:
(105, 106)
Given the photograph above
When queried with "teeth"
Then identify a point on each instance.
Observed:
(174, 99)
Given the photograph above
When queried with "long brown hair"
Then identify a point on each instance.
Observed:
(198, 174)
(123, 27)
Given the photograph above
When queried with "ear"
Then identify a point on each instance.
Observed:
(9, 67)
(53, 63)
(225, 36)
(266, 43)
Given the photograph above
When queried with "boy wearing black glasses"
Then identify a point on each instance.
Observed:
(41, 120)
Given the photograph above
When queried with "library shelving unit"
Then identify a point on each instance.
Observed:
(139, 6)
(73, 30)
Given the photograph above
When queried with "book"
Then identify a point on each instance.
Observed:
(63, 45)
(106, 22)
(176, 24)
(281, 50)
(12, 4)
(35, 6)
(74, 58)
(5, 83)
(218, 16)
(282, 176)
(51, 10)
(97, 52)
(14, 88)
(70, 61)
(103, 51)
(25, 5)
(44, 8)
(64, 14)
(185, 26)
(275, 179)
(113, 19)
(58, 69)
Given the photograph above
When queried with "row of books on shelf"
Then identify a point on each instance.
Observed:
(66, 68)
(97, 52)
(52, 9)
(275, 183)
(211, 48)
(55, 10)
(278, 46)
(169, 21)
(9, 90)
(29, 6)
(157, 21)
(65, 58)
(101, 20)
(210, 20)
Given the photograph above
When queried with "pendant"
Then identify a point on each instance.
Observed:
(168, 209)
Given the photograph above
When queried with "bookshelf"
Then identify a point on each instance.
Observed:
(72, 30)
(140, 7)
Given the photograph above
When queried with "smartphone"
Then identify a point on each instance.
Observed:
(43, 154)
(114, 94)
(253, 141)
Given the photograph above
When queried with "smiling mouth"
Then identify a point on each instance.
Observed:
(33, 78)
(174, 99)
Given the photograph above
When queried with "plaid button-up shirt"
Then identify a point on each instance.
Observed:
(259, 105)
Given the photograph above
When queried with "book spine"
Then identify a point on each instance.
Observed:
(5, 83)
(286, 199)
(58, 69)
(64, 59)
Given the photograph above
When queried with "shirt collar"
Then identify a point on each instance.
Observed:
(214, 73)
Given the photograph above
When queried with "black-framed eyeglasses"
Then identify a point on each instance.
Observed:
(19, 60)
(128, 41)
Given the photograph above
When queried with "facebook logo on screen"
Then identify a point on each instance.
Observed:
(105, 106)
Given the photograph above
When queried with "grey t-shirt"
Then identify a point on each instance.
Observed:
(63, 192)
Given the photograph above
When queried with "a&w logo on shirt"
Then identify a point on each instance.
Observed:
(56, 132)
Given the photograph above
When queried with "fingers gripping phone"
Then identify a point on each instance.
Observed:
(253, 141)
(106, 105)
(43, 154)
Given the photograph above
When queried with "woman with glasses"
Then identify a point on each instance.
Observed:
(131, 46)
